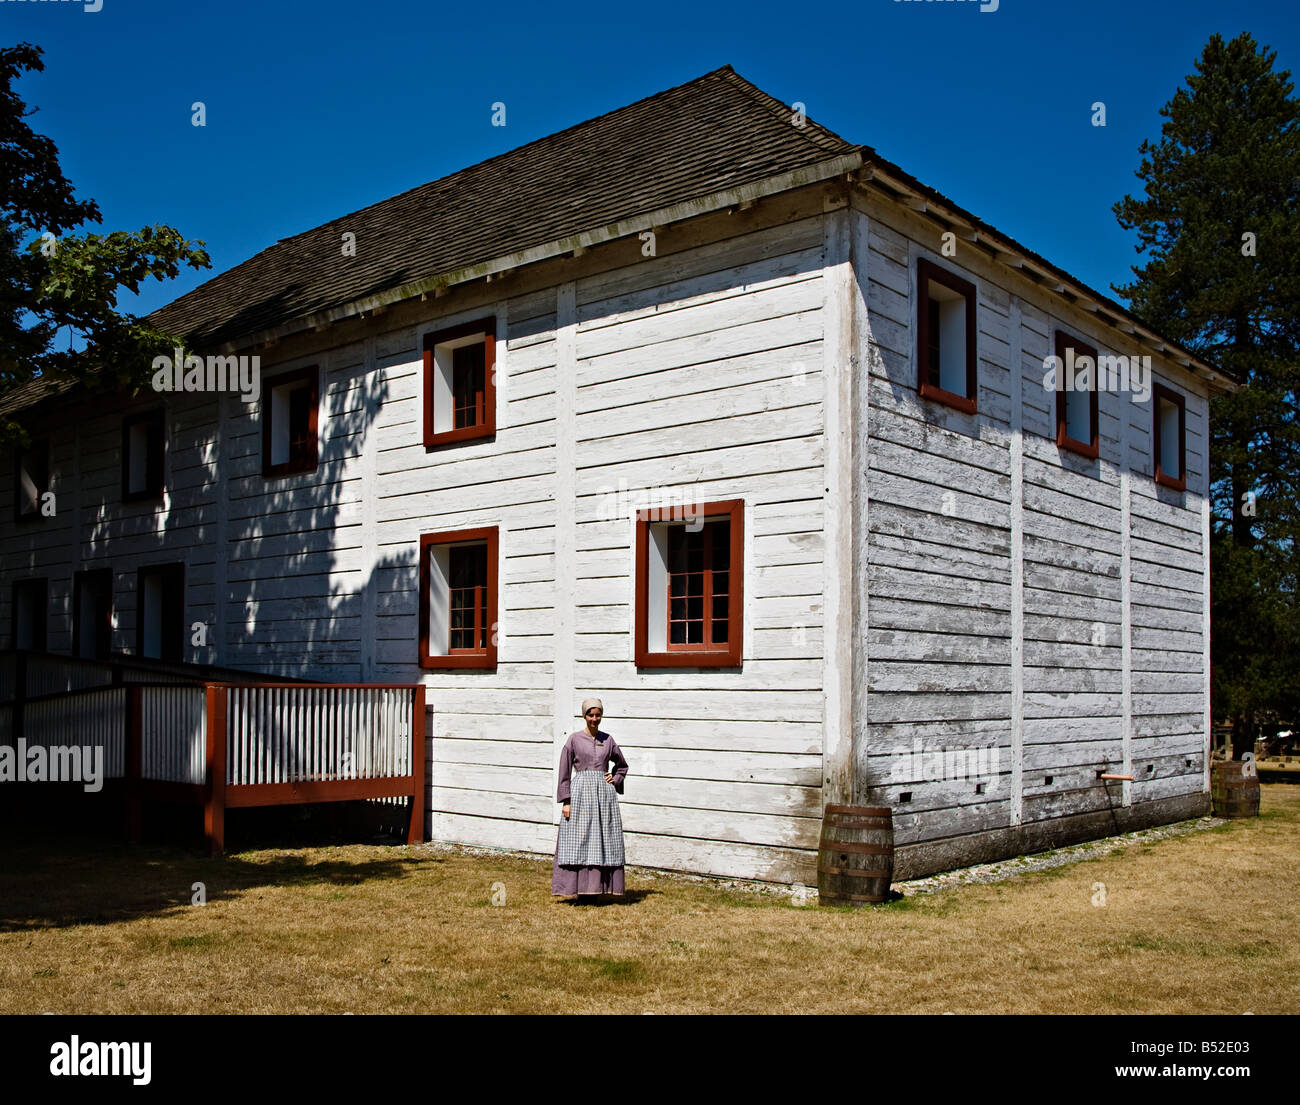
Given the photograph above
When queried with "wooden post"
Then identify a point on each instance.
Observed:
(214, 807)
(415, 833)
(133, 747)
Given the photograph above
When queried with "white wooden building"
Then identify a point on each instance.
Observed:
(905, 580)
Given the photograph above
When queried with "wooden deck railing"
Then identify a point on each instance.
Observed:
(226, 745)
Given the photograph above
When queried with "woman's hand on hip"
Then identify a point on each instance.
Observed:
(608, 777)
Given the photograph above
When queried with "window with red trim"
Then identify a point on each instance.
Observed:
(1076, 396)
(946, 361)
(1169, 437)
(689, 585)
(458, 599)
(290, 422)
(459, 384)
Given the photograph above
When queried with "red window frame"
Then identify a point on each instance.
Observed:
(1158, 392)
(486, 656)
(925, 272)
(155, 456)
(691, 655)
(310, 459)
(1092, 447)
(485, 424)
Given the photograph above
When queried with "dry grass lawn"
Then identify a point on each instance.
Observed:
(1205, 922)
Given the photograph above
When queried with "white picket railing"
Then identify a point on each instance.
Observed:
(82, 719)
(173, 734)
(294, 734)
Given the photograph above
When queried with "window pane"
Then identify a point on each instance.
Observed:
(1078, 415)
(933, 337)
(467, 380)
(1171, 461)
(948, 338)
(301, 444)
(467, 603)
(33, 478)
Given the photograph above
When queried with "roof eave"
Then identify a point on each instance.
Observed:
(1013, 254)
(688, 209)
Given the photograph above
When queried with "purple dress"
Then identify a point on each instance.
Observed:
(589, 844)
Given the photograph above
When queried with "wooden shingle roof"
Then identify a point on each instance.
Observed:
(711, 134)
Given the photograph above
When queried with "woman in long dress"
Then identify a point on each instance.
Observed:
(589, 845)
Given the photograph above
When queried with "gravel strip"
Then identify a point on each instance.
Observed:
(1010, 868)
(965, 876)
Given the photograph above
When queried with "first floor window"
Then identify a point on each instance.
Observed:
(142, 456)
(698, 565)
(459, 387)
(30, 614)
(1169, 435)
(689, 593)
(31, 479)
(290, 407)
(1076, 396)
(458, 599)
(92, 614)
(160, 612)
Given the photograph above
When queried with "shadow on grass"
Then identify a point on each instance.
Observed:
(630, 897)
(64, 875)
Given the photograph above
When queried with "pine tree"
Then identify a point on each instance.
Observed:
(1219, 226)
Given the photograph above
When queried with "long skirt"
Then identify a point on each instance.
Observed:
(589, 845)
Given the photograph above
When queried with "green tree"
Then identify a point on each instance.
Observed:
(60, 288)
(1219, 226)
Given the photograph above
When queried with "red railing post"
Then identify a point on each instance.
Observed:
(214, 806)
(134, 755)
(415, 833)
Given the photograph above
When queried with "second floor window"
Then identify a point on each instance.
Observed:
(143, 447)
(1169, 435)
(31, 480)
(290, 405)
(1076, 396)
(459, 385)
(945, 337)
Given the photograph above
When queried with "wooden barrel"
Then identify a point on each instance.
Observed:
(1234, 787)
(855, 858)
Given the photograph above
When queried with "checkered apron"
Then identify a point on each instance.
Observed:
(593, 834)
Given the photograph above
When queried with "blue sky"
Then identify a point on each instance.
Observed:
(315, 109)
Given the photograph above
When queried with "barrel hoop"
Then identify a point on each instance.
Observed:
(854, 846)
(861, 811)
(877, 824)
(853, 873)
